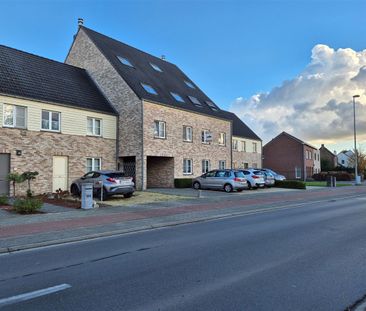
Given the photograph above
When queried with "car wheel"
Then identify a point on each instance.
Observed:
(196, 185)
(74, 190)
(228, 188)
(128, 195)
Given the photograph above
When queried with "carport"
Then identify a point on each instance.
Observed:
(160, 172)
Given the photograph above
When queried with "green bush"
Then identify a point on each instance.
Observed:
(27, 206)
(183, 182)
(292, 184)
(3, 200)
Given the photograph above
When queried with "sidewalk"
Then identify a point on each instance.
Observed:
(66, 225)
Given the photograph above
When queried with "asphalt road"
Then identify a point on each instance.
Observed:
(306, 258)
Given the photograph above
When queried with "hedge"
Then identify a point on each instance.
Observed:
(292, 184)
(339, 175)
(183, 182)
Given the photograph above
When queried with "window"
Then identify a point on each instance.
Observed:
(243, 146)
(195, 101)
(254, 147)
(222, 139)
(222, 164)
(187, 133)
(206, 136)
(125, 61)
(15, 116)
(159, 129)
(211, 105)
(189, 84)
(156, 67)
(246, 165)
(235, 144)
(50, 121)
(149, 89)
(205, 166)
(93, 164)
(187, 166)
(297, 172)
(177, 97)
(94, 126)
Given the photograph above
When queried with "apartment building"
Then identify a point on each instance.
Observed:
(168, 128)
(54, 120)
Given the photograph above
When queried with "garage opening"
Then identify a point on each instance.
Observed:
(128, 166)
(160, 172)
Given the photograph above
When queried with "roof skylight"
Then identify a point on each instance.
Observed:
(149, 89)
(124, 61)
(195, 101)
(156, 67)
(212, 105)
(189, 84)
(177, 97)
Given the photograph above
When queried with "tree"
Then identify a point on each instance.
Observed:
(15, 178)
(361, 160)
(29, 176)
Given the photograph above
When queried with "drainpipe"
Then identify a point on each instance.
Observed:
(117, 143)
(231, 146)
(303, 161)
(142, 146)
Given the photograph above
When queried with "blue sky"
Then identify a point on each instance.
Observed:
(231, 49)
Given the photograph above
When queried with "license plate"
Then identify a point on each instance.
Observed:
(124, 182)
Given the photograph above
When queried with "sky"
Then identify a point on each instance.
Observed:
(290, 65)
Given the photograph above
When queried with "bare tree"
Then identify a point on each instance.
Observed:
(361, 157)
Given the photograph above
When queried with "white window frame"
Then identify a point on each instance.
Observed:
(93, 167)
(235, 144)
(204, 134)
(255, 147)
(187, 169)
(49, 129)
(14, 112)
(158, 127)
(297, 170)
(222, 139)
(206, 166)
(243, 146)
(93, 132)
(186, 137)
(222, 164)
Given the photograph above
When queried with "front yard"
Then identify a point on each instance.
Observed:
(324, 184)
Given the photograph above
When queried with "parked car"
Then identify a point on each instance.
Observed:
(227, 180)
(254, 180)
(114, 182)
(269, 179)
(275, 175)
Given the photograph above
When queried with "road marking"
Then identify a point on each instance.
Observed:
(32, 295)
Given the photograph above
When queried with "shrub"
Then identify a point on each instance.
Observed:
(292, 184)
(27, 206)
(339, 175)
(183, 182)
(3, 200)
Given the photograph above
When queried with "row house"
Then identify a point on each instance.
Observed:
(328, 158)
(291, 157)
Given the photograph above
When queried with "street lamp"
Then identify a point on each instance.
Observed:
(357, 181)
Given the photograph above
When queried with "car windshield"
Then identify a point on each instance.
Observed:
(115, 175)
(239, 174)
(258, 173)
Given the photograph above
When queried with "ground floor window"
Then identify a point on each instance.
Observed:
(222, 164)
(246, 165)
(297, 172)
(187, 166)
(93, 164)
(205, 166)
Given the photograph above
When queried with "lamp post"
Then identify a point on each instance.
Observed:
(354, 137)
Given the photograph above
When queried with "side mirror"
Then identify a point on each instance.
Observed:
(83, 177)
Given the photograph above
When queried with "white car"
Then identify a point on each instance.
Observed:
(276, 176)
(254, 180)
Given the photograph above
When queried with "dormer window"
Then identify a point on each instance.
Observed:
(149, 89)
(124, 61)
(156, 67)
(195, 101)
(177, 97)
(189, 84)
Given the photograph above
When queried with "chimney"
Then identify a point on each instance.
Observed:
(163, 57)
(323, 145)
(335, 152)
(80, 21)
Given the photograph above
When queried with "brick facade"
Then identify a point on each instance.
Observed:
(38, 148)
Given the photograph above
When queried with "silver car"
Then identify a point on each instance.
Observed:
(227, 180)
(275, 175)
(269, 179)
(113, 182)
(254, 180)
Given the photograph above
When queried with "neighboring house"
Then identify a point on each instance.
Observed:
(168, 128)
(290, 156)
(317, 163)
(344, 158)
(328, 158)
(54, 120)
(246, 145)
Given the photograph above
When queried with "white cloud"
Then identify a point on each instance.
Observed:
(315, 106)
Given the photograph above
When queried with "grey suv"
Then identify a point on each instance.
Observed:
(113, 182)
(227, 180)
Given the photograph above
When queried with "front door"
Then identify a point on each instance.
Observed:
(4, 171)
(60, 173)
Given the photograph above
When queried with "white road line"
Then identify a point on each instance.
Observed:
(35, 294)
